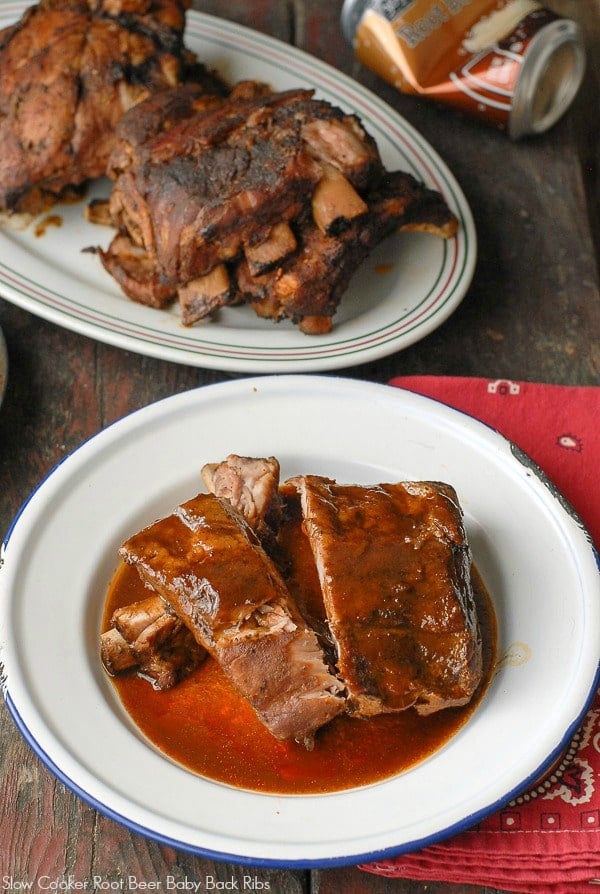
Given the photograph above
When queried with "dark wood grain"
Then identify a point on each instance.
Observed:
(532, 312)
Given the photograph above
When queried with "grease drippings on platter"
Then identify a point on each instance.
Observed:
(222, 194)
(299, 636)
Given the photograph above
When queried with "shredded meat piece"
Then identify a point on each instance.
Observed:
(148, 637)
(251, 486)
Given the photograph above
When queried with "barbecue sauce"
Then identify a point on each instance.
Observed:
(204, 725)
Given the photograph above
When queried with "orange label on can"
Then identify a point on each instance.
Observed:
(466, 53)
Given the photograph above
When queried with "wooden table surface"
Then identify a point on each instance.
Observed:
(532, 312)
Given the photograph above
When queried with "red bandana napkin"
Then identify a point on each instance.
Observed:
(547, 841)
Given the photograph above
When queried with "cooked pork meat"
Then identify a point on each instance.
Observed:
(116, 653)
(132, 620)
(206, 562)
(294, 556)
(148, 637)
(335, 202)
(136, 273)
(394, 567)
(341, 143)
(271, 199)
(155, 115)
(251, 486)
(201, 296)
(308, 285)
(219, 180)
(146, 634)
(213, 198)
(315, 597)
(279, 244)
(70, 69)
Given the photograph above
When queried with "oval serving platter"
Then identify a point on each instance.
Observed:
(535, 556)
(425, 278)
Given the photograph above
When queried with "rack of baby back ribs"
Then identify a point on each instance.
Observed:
(393, 626)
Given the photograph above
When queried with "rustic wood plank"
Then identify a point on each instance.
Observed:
(354, 881)
(276, 19)
(586, 124)
(42, 832)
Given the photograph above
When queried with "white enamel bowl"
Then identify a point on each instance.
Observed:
(533, 552)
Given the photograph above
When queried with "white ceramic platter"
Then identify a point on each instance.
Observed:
(382, 312)
(533, 553)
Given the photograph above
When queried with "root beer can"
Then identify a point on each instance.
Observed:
(512, 63)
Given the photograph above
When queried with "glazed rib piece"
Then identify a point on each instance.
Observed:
(206, 562)
(300, 571)
(394, 567)
(70, 69)
(146, 635)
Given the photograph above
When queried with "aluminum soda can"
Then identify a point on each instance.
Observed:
(511, 63)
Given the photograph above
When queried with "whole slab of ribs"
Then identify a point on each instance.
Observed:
(263, 198)
(396, 624)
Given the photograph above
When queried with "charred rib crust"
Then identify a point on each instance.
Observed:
(69, 71)
(218, 182)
